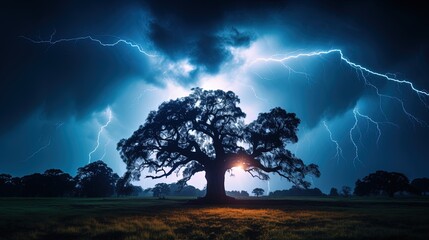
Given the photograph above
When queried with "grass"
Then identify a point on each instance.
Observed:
(291, 218)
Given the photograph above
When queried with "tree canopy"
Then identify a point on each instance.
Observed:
(258, 192)
(205, 131)
(96, 180)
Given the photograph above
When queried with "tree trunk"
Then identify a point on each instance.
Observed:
(215, 191)
(215, 183)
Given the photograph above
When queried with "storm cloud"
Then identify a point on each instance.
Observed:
(76, 78)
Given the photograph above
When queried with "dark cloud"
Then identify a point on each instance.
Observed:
(196, 30)
(199, 17)
(379, 33)
(61, 78)
(79, 78)
(66, 79)
(209, 52)
(171, 43)
(239, 39)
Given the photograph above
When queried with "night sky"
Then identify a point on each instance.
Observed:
(67, 67)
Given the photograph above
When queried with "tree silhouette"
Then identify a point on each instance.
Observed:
(188, 190)
(57, 183)
(96, 180)
(237, 194)
(382, 182)
(52, 183)
(205, 131)
(124, 187)
(258, 192)
(333, 192)
(33, 185)
(161, 190)
(296, 191)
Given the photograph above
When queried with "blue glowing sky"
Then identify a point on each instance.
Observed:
(71, 70)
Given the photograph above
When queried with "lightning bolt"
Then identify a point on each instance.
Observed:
(362, 72)
(254, 92)
(381, 96)
(357, 114)
(356, 66)
(356, 158)
(114, 43)
(57, 126)
(281, 60)
(144, 91)
(39, 150)
(377, 124)
(339, 150)
(268, 187)
(109, 113)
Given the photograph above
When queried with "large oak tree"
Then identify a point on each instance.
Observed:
(205, 131)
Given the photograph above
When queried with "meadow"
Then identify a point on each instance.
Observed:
(148, 218)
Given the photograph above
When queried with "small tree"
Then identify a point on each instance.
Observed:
(258, 192)
(333, 192)
(161, 190)
(96, 180)
(346, 191)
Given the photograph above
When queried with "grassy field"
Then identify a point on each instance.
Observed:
(293, 218)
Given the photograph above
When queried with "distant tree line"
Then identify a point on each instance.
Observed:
(383, 183)
(379, 183)
(389, 184)
(162, 190)
(93, 180)
(98, 180)
(296, 191)
(237, 194)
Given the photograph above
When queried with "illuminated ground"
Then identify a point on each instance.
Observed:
(294, 218)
